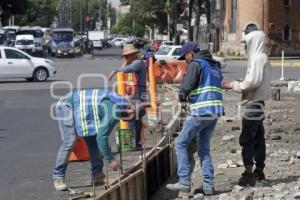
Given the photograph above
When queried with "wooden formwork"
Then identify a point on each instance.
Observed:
(147, 175)
(143, 180)
(130, 188)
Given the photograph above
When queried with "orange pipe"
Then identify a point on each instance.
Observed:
(152, 84)
(121, 79)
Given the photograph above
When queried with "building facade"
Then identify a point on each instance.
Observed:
(279, 19)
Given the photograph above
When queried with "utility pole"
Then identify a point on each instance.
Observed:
(87, 25)
(177, 39)
(169, 20)
(100, 21)
(108, 18)
(70, 13)
(1, 16)
(80, 16)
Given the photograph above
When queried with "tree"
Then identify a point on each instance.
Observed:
(12, 7)
(37, 13)
(198, 10)
(151, 13)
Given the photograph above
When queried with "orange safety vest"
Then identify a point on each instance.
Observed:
(131, 84)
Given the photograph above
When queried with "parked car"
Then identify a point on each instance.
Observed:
(118, 41)
(137, 42)
(15, 63)
(167, 43)
(174, 52)
(168, 52)
(105, 43)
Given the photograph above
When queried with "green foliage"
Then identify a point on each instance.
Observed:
(128, 26)
(38, 13)
(151, 13)
(12, 7)
(125, 2)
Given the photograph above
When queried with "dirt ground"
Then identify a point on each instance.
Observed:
(282, 127)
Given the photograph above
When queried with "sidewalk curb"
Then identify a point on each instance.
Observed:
(270, 58)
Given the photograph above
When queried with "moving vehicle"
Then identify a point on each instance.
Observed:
(62, 35)
(15, 63)
(2, 37)
(37, 34)
(96, 37)
(10, 34)
(174, 52)
(65, 50)
(25, 43)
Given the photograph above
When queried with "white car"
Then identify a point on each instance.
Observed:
(15, 63)
(174, 52)
(25, 43)
(118, 41)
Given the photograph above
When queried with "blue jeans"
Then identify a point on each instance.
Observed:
(64, 114)
(201, 129)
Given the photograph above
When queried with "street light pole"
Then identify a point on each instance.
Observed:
(70, 13)
(108, 18)
(81, 28)
(1, 16)
(169, 20)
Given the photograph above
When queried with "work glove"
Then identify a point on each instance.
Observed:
(114, 165)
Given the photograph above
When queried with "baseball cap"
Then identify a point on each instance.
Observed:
(187, 47)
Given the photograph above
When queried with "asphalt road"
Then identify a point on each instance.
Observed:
(29, 138)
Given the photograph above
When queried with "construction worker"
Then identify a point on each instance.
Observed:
(202, 90)
(91, 114)
(135, 70)
(255, 89)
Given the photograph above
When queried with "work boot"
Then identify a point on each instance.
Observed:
(259, 174)
(59, 184)
(179, 187)
(99, 180)
(208, 191)
(247, 179)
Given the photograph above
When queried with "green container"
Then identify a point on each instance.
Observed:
(124, 139)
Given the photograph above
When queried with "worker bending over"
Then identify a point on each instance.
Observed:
(91, 114)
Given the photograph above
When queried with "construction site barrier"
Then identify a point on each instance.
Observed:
(80, 151)
(170, 72)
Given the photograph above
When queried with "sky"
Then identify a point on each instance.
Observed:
(115, 3)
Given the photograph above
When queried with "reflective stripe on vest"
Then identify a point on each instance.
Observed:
(207, 98)
(83, 112)
(83, 120)
(205, 89)
(87, 111)
(131, 84)
(206, 104)
(131, 79)
(95, 109)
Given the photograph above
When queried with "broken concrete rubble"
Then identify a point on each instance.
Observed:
(294, 86)
(227, 137)
(283, 159)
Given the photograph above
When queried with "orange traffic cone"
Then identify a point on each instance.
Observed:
(80, 151)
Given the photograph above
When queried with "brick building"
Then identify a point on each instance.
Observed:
(279, 19)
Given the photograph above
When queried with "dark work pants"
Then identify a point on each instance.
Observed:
(252, 138)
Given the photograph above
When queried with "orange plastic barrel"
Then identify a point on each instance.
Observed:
(80, 151)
